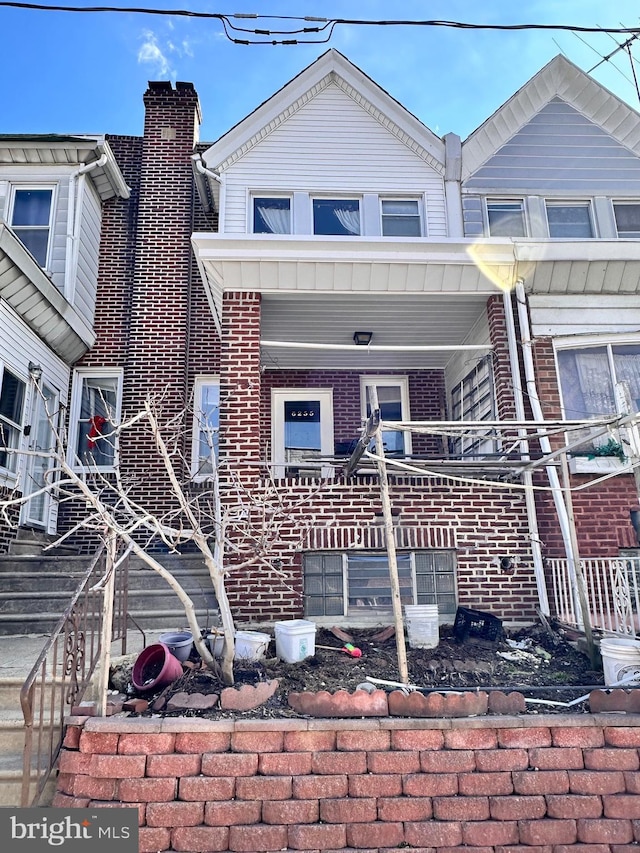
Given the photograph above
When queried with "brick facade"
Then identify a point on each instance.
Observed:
(153, 319)
(545, 784)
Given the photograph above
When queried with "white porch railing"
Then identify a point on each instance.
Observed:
(612, 591)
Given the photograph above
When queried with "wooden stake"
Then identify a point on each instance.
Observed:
(390, 543)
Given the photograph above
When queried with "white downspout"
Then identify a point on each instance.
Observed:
(73, 224)
(532, 517)
(545, 444)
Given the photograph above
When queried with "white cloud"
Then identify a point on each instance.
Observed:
(150, 53)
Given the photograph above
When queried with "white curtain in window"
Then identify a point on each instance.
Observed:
(349, 219)
(595, 383)
(276, 218)
(628, 370)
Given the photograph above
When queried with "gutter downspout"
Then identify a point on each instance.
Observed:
(73, 222)
(201, 169)
(527, 477)
(545, 444)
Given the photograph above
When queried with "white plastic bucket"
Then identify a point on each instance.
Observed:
(620, 660)
(295, 640)
(251, 645)
(215, 643)
(422, 625)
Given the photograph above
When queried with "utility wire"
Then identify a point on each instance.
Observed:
(320, 26)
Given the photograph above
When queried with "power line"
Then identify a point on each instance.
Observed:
(322, 27)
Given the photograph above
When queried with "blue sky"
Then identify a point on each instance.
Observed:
(86, 73)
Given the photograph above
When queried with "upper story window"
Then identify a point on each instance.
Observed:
(95, 410)
(271, 215)
(336, 216)
(393, 399)
(12, 394)
(206, 424)
(627, 215)
(506, 217)
(569, 219)
(31, 219)
(400, 218)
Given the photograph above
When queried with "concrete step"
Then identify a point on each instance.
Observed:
(11, 783)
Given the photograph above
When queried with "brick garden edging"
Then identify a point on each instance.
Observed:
(536, 784)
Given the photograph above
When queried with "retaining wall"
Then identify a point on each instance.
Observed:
(526, 784)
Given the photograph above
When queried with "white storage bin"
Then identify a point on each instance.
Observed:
(423, 630)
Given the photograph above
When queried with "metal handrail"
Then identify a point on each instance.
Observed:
(64, 668)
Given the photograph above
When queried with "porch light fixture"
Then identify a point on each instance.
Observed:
(35, 371)
(362, 339)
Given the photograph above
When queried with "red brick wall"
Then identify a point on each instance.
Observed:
(543, 784)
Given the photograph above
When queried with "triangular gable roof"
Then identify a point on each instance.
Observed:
(331, 67)
(559, 78)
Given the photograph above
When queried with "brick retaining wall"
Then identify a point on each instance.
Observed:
(530, 784)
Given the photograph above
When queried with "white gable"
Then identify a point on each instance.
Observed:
(558, 79)
(332, 144)
(560, 150)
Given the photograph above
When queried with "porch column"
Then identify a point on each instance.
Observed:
(240, 382)
(503, 377)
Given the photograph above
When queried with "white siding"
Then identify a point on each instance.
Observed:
(553, 315)
(331, 145)
(560, 151)
(84, 297)
(19, 345)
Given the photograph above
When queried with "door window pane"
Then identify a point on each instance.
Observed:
(206, 426)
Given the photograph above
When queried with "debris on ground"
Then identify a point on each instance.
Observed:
(531, 658)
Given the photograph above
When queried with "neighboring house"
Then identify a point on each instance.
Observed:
(52, 189)
(341, 245)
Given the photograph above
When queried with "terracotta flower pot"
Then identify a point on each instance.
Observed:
(155, 667)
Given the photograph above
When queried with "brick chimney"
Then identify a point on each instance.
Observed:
(160, 294)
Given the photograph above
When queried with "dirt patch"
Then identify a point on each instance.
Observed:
(542, 665)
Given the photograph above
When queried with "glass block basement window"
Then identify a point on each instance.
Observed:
(357, 583)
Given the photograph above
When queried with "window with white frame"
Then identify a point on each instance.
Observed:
(272, 215)
(206, 424)
(505, 217)
(588, 377)
(570, 220)
(95, 412)
(31, 210)
(339, 216)
(357, 583)
(393, 399)
(302, 431)
(400, 217)
(12, 396)
(627, 216)
(473, 399)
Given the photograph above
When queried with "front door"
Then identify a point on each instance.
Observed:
(38, 511)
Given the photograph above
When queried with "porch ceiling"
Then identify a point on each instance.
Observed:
(395, 321)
